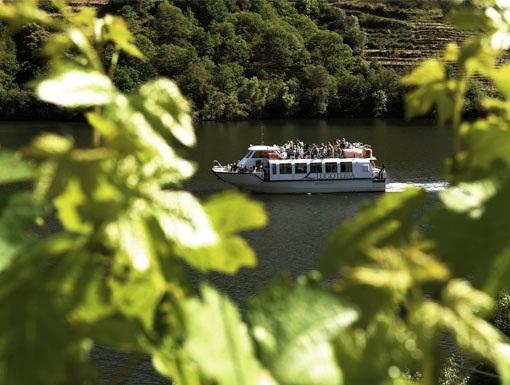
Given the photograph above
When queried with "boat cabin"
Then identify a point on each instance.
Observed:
(257, 155)
(325, 169)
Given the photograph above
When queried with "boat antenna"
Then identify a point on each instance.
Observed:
(261, 134)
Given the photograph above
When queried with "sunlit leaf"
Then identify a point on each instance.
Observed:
(163, 105)
(117, 31)
(232, 212)
(183, 219)
(227, 354)
(76, 88)
(388, 221)
(469, 197)
(137, 283)
(488, 239)
(293, 326)
(48, 145)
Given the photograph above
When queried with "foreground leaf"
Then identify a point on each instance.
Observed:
(293, 326)
(388, 221)
(223, 350)
(76, 88)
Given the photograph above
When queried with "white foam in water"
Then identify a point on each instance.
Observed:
(427, 186)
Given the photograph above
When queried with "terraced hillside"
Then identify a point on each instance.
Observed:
(398, 36)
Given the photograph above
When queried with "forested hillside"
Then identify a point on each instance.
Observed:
(237, 59)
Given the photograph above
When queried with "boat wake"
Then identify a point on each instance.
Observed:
(427, 186)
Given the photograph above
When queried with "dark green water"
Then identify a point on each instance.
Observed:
(298, 224)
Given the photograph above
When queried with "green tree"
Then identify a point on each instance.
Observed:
(327, 49)
(318, 90)
(171, 25)
(280, 49)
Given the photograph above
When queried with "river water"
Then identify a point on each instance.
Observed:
(413, 154)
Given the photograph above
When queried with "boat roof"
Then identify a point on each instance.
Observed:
(262, 148)
(316, 160)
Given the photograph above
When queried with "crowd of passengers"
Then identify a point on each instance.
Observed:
(296, 149)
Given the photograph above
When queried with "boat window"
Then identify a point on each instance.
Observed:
(300, 168)
(248, 155)
(316, 168)
(346, 167)
(365, 168)
(285, 168)
(331, 167)
(273, 167)
(260, 154)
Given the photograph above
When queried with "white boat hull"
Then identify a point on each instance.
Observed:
(254, 183)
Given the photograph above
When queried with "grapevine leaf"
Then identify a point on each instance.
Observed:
(388, 221)
(76, 88)
(117, 31)
(432, 91)
(494, 133)
(14, 169)
(183, 220)
(164, 106)
(293, 326)
(225, 355)
(460, 314)
(489, 228)
(229, 213)
(228, 255)
(137, 283)
(232, 212)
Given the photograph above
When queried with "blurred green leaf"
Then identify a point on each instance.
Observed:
(226, 355)
(233, 212)
(33, 320)
(471, 19)
(485, 259)
(137, 283)
(429, 72)
(229, 212)
(166, 109)
(14, 169)
(293, 325)
(47, 145)
(116, 30)
(500, 77)
(387, 221)
(18, 212)
(76, 88)
(183, 220)
(432, 90)
(459, 314)
(23, 12)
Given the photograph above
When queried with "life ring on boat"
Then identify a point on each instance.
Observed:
(283, 155)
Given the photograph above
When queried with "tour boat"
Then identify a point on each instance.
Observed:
(263, 170)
